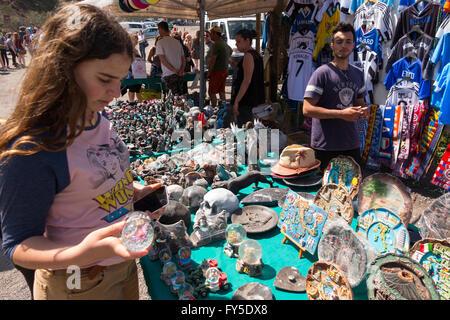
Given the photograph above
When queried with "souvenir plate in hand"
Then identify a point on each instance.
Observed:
(396, 277)
(342, 246)
(255, 218)
(344, 171)
(325, 281)
(334, 199)
(382, 190)
(434, 256)
(434, 221)
(384, 230)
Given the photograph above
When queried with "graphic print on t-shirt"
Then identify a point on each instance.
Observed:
(110, 161)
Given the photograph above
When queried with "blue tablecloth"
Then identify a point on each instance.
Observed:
(275, 256)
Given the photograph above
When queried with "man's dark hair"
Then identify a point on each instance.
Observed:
(344, 27)
(164, 26)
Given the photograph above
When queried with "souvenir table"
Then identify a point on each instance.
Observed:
(275, 256)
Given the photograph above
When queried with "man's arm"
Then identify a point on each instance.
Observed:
(166, 63)
(212, 62)
(312, 110)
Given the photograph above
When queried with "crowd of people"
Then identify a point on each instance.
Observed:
(176, 53)
(17, 45)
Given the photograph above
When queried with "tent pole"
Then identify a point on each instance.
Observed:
(202, 55)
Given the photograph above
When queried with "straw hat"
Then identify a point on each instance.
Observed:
(295, 159)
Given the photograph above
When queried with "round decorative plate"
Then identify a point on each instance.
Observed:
(266, 197)
(434, 221)
(335, 199)
(253, 291)
(384, 230)
(382, 190)
(344, 171)
(325, 281)
(340, 245)
(305, 195)
(434, 256)
(255, 218)
(397, 277)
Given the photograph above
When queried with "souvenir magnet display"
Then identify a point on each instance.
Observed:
(253, 291)
(265, 197)
(301, 222)
(396, 277)
(290, 279)
(434, 221)
(234, 235)
(255, 219)
(344, 171)
(434, 256)
(325, 281)
(382, 190)
(342, 246)
(138, 233)
(249, 261)
(305, 195)
(335, 200)
(384, 230)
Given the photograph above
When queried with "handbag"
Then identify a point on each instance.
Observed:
(145, 43)
(139, 69)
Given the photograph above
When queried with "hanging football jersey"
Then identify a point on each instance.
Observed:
(375, 16)
(441, 53)
(441, 94)
(403, 93)
(367, 60)
(418, 44)
(352, 5)
(444, 27)
(300, 65)
(305, 14)
(328, 17)
(404, 69)
(411, 16)
(372, 40)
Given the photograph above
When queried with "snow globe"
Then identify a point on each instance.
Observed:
(165, 255)
(168, 270)
(213, 279)
(176, 281)
(184, 257)
(249, 261)
(138, 233)
(186, 292)
(234, 235)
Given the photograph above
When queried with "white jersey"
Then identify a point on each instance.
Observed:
(444, 27)
(376, 16)
(300, 66)
(367, 61)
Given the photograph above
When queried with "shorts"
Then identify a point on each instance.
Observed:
(136, 88)
(115, 282)
(217, 81)
(175, 84)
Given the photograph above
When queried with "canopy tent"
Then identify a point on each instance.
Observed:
(193, 10)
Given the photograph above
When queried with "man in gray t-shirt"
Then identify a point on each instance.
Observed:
(334, 99)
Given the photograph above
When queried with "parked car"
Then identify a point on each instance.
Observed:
(132, 27)
(231, 26)
(150, 32)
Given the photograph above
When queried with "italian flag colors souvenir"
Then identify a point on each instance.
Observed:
(442, 175)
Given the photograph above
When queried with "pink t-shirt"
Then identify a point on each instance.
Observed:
(100, 191)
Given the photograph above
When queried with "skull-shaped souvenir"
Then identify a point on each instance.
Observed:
(219, 199)
(193, 197)
(175, 192)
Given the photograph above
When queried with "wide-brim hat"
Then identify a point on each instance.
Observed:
(291, 164)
